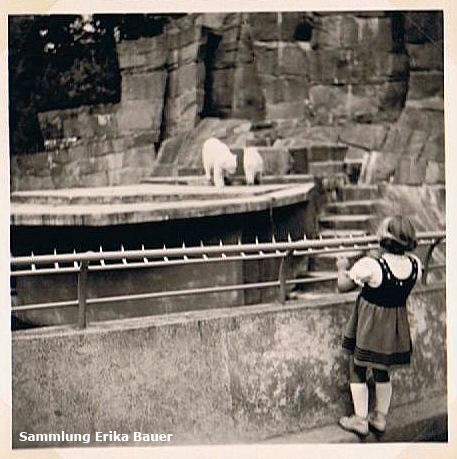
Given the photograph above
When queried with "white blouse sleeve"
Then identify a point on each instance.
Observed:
(366, 271)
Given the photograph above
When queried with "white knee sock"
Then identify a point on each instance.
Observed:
(383, 396)
(360, 398)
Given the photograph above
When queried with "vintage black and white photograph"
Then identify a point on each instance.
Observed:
(227, 228)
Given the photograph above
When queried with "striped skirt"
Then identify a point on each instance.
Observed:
(378, 336)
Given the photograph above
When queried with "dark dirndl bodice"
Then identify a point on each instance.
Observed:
(392, 292)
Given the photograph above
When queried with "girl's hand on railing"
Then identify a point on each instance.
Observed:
(344, 282)
(342, 263)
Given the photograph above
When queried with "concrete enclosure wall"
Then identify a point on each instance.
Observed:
(63, 287)
(294, 220)
(227, 375)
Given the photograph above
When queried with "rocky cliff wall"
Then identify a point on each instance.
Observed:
(370, 80)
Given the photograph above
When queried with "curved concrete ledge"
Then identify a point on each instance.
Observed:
(108, 206)
(321, 301)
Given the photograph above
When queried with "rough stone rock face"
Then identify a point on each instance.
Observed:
(184, 99)
(181, 154)
(418, 136)
(330, 71)
(236, 86)
(97, 163)
(103, 145)
(372, 81)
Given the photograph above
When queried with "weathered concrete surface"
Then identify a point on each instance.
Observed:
(33, 289)
(423, 421)
(230, 200)
(227, 375)
(128, 194)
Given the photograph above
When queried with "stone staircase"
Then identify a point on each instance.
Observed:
(350, 207)
(348, 212)
(352, 216)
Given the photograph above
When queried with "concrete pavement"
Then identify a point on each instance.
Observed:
(419, 422)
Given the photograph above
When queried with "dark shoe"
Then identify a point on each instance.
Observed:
(377, 420)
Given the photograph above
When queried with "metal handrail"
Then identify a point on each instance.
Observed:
(202, 249)
(207, 254)
(427, 258)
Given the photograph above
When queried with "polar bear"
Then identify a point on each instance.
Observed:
(253, 165)
(217, 161)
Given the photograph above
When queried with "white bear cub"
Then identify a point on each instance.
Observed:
(253, 165)
(217, 161)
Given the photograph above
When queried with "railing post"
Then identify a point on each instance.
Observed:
(428, 257)
(82, 293)
(285, 263)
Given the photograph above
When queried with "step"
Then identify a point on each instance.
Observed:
(344, 233)
(277, 161)
(289, 178)
(326, 152)
(358, 192)
(326, 168)
(239, 180)
(184, 171)
(164, 170)
(363, 206)
(360, 222)
(351, 169)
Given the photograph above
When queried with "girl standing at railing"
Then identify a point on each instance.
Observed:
(377, 335)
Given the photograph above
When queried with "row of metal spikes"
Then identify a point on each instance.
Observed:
(204, 257)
